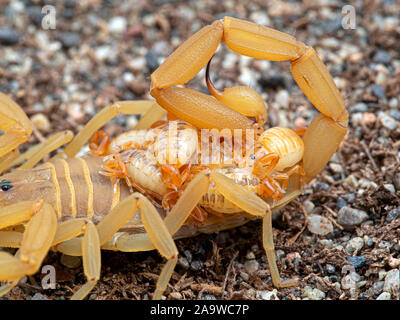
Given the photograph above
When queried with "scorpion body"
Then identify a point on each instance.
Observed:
(81, 205)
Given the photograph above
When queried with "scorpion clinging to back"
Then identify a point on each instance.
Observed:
(81, 205)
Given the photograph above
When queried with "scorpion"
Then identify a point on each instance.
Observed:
(139, 191)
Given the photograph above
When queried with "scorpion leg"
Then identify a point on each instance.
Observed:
(15, 127)
(101, 118)
(181, 211)
(255, 206)
(154, 114)
(8, 159)
(91, 261)
(50, 144)
(35, 244)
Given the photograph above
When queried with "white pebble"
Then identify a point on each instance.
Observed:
(313, 294)
(392, 281)
(336, 168)
(138, 64)
(390, 187)
(387, 121)
(267, 295)
(251, 266)
(354, 245)
(352, 181)
(393, 103)
(309, 206)
(41, 122)
(282, 98)
(384, 296)
(319, 225)
(117, 24)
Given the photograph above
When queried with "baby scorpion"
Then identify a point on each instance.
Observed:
(81, 205)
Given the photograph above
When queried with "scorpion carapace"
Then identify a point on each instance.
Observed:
(208, 167)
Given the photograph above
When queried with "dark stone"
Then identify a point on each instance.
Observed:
(392, 215)
(395, 114)
(349, 217)
(9, 36)
(340, 203)
(272, 81)
(152, 60)
(196, 265)
(68, 13)
(357, 261)
(69, 39)
(382, 56)
(322, 186)
(350, 197)
(378, 91)
(36, 15)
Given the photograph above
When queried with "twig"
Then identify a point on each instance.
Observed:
(369, 155)
(227, 273)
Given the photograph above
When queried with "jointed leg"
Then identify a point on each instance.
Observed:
(91, 261)
(254, 205)
(101, 118)
(35, 243)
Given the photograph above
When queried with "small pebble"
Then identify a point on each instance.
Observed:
(322, 186)
(176, 295)
(9, 36)
(319, 225)
(396, 181)
(336, 168)
(282, 98)
(183, 262)
(354, 245)
(357, 261)
(309, 206)
(39, 296)
(69, 39)
(352, 181)
(394, 103)
(267, 295)
(341, 203)
(378, 91)
(377, 287)
(392, 215)
(41, 122)
(387, 121)
(250, 255)
(349, 217)
(368, 118)
(208, 297)
(384, 296)
(382, 56)
(392, 281)
(330, 269)
(359, 107)
(196, 265)
(395, 114)
(244, 276)
(389, 187)
(117, 24)
(313, 294)
(251, 266)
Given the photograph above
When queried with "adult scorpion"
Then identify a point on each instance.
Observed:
(130, 196)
